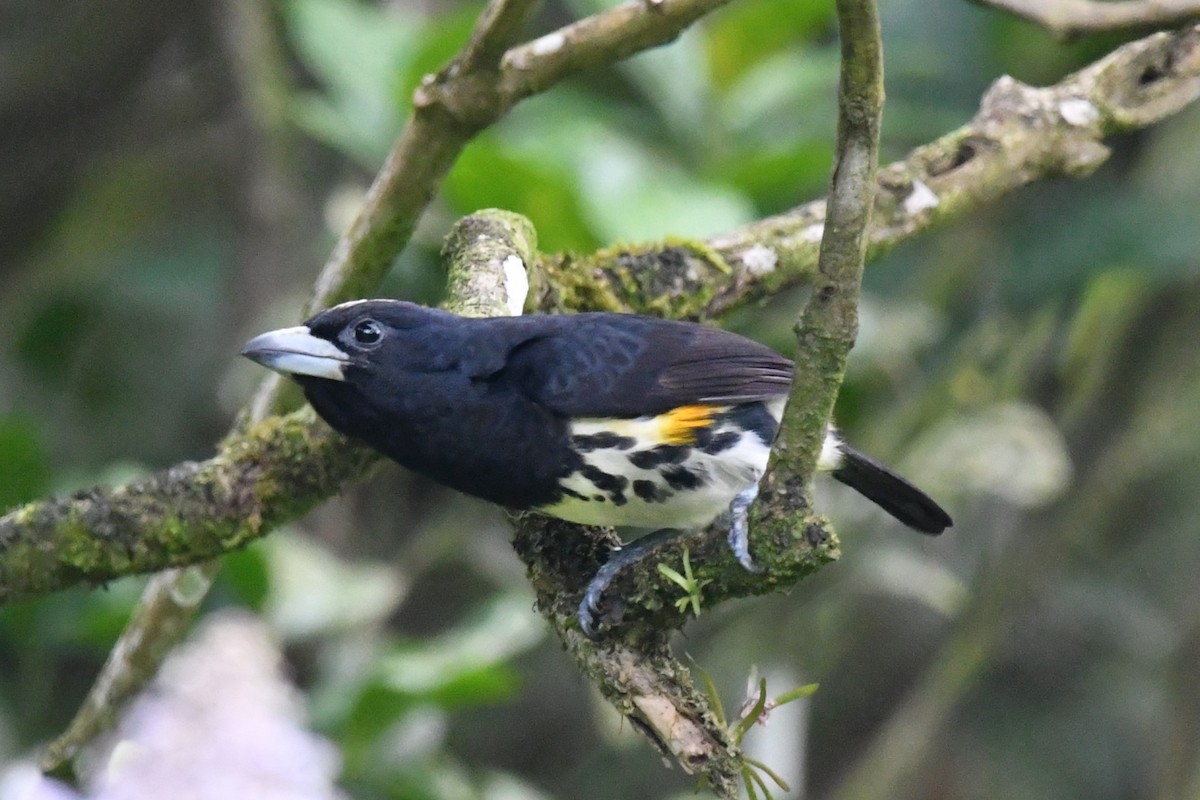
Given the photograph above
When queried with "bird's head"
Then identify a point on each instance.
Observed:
(357, 358)
(348, 342)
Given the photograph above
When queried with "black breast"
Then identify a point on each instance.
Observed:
(474, 435)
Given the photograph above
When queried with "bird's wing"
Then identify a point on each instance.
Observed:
(615, 365)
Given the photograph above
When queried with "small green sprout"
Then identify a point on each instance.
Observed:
(687, 581)
(756, 708)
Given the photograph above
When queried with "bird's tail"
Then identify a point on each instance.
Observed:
(889, 491)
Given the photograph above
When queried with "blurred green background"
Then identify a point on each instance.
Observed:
(174, 173)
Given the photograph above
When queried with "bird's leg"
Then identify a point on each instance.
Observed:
(589, 610)
(739, 526)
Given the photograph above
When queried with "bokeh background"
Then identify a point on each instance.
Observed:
(174, 174)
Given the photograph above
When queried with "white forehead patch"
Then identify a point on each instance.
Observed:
(350, 303)
(516, 284)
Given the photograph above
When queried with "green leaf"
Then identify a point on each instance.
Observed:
(246, 575)
(790, 97)
(675, 82)
(743, 34)
(675, 577)
(631, 193)
(24, 470)
(459, 660)
(796, 694)
(749, 774)
(493, 173)
(1011, 450)
(360, 53)
(749, 778)
(772, 774)
(710, 689)
(313, 592)
(751, 717)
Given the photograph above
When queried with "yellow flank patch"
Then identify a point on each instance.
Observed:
(679, 425)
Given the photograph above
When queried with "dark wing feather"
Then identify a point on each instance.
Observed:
(618, 365)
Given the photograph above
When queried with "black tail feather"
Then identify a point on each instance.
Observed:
(890, 492)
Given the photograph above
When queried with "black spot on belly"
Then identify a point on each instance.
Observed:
(663, 454)
(603, 480)
(651, 492)
(753, 417)
(572, 493)
(721, 442)
(680, 478)
(605, 440)
(619, 499)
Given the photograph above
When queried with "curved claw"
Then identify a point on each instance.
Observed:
(587, 619)
(739, 527)
(589, 613)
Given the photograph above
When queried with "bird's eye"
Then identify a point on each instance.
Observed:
(368, 332)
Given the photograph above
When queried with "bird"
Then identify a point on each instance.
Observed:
(597, 418)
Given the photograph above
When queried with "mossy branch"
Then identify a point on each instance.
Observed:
(272, 473)
(191, 512)
(1020, 135)
(828, 326)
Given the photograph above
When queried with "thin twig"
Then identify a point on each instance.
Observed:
(1068, 19)
(165, 610)
(498, 26)
(601, 39)
(827, 328)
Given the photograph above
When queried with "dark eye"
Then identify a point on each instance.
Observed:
(368, 332)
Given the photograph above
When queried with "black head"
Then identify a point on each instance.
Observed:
(349, 339)
(357, 355)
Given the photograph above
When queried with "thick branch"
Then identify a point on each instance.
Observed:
(191, 512)
(1020, 135)
(273, 473)
(636, 670)
(1068, 19)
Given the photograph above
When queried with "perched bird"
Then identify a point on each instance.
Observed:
(600, 419)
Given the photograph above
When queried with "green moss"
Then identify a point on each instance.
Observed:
(676, 279)
(579, 286)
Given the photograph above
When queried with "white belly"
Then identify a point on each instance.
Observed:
(654, 496)
(689, 493)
